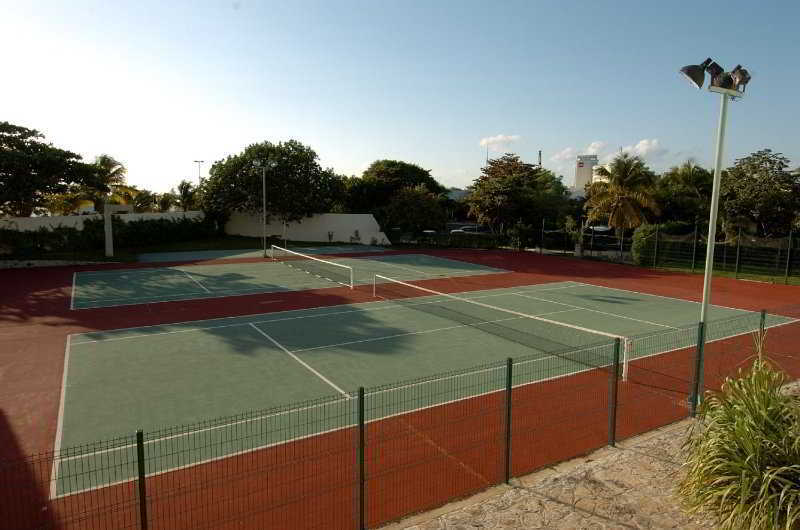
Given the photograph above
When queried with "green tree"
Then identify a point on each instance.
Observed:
(684, 193)
(297, 186)
(110, 185)
(414, 209)
(32, 171)
(142, 201)
(624, 195)
(165, 201)
(186, 195)
(511, 191)
(381, 181)
(760, 188)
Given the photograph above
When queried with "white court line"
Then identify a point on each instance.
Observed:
(388, 416)
(664, 297)
(296, 358)
(357, 309)
(596, 311)
(425, 331)
(72, 296)
(203, 287)
(59, 423)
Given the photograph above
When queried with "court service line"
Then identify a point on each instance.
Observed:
(203, 287)
(357, 309)
(72, 296)
(298, 359)
(596, 311)
(425, 331)
(60, 422)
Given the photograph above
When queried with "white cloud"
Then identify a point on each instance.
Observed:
(564, 155)
(595, 147)
(499, 142)
(647, 148)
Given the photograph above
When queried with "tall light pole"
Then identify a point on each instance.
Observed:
(267, 164)
(199, 163)
(730, 85)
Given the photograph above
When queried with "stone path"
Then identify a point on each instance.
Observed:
(630, 486)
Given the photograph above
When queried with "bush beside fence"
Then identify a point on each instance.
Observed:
(382, 453)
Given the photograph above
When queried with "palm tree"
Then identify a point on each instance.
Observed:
(185, 197)
(623, 194)
(111, 183)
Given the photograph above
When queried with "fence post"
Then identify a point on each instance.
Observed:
(591, 242)
(698, 369)
(362, 509)
(621, 239)
(655, 252)
(612, 399)
(541, 245)
(141, 481)
(788, 259)
(738, 250)
(694, 247)
(509, 385)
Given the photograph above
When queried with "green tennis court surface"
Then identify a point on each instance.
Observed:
(197, 255)
(177, 374)
(163, 284)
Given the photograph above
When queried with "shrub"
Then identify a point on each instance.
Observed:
(744, 454)
(642, 247)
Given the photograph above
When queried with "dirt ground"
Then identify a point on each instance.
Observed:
(631, 485)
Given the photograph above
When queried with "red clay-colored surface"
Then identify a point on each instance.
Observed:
(414, 461)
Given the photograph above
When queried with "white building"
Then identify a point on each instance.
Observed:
(584, 172)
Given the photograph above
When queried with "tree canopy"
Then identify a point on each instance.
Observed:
(509, 190)
(623, 195)
(760, 188)
(296, 186)
(31, 171)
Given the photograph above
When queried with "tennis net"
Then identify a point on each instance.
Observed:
(536, 332)
(321, 268)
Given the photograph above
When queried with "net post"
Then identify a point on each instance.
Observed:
(361, 466)
(762, 324)
(694, 397)
(352, 282)
(141, 480)
(626, 348)
(374, 285)
(509, 386)
(613, 383)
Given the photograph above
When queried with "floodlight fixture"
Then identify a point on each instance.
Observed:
(696, 73)
(740, 77)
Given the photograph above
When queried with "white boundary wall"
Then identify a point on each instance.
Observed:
(343, 227)
(28, 224)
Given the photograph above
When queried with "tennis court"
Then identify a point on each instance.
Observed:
(158, 376)
(297, 269)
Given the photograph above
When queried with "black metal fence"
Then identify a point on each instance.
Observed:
(381, 453)
(741, 255)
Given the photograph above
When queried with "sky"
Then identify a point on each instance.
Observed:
(158, 84)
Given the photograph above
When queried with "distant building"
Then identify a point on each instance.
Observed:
(584, 173)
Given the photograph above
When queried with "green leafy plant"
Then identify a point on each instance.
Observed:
(743, 460)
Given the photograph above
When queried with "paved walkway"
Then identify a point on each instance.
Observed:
(630, 486)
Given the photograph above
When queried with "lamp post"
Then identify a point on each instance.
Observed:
(267, 164)
(199, 163)
(730, 85)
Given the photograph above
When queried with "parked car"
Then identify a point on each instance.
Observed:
(471, 229)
